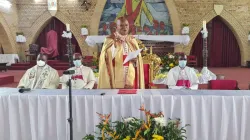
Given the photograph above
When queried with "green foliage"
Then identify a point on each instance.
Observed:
(154, 128)
(84, 26)
(185, 25)
(169, 61)
(19, 33)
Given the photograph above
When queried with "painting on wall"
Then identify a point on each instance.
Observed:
(147, 17)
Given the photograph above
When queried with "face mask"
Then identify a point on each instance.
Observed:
(182, 63)
(40, 63)
(77, 63)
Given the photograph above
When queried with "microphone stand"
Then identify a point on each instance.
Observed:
(70, 119)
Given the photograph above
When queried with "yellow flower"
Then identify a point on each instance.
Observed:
(96, 74)
(171, 65)
(198, 74)
(157, 137)
(127, 138)
(160, 76)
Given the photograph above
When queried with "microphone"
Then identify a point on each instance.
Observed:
(69, 72)
(21, 90)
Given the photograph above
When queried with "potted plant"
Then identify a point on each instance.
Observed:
(84, 30)
(20, 38)
(185, 29)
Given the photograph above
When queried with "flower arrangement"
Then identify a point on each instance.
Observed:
(154, 128)
(161, 76)
(169, 61)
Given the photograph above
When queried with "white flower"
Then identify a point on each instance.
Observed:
(171, 56)
(67, 35)
(161, 121)
(129, 120)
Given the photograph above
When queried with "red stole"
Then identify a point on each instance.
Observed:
(77, 77)
(183, 83)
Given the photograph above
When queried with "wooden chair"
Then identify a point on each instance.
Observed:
(192, 61)
(32, 52)
(148, 73)
(88, 60)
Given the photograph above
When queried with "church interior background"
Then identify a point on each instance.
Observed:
(227, 24)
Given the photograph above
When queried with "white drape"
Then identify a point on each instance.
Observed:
(9, 58)
(183, 39)
(42, 114)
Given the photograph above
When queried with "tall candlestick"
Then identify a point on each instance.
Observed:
(67, 27)
(151, 50)
(204, 25)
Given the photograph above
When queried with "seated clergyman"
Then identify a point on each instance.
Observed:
(83, 78)
(41, 76)
(182, 76)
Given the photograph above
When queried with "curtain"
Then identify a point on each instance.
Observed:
(223, 48)
(59, 27)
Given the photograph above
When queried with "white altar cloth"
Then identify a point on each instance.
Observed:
(8, 58)
(42, 114)
(183, 39)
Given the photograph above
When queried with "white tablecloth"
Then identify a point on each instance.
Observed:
(8, 58)
(42, 114)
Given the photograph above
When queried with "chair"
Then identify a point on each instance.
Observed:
(51, 48)
(148, 73)
(88, 60)
(191, 61)
(32, 52)
(223, 85)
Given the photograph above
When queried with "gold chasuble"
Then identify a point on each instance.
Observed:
(111, 67)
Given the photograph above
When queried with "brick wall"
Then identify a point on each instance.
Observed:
(32, 15)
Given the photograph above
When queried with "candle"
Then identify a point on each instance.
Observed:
(151, 50)
(204, 25)
(67, 27)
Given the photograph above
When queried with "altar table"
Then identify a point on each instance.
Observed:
(9, 58)
(42, 114)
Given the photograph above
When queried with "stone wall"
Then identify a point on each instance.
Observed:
(8, 28)
(33, 16)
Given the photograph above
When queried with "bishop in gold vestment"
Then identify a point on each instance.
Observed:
(113, 74)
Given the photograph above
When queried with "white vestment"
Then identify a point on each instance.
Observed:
(87, 82)
(177, 73)
(40, 78)
(206, 76)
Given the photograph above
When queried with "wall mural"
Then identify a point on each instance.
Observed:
(148, 17)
